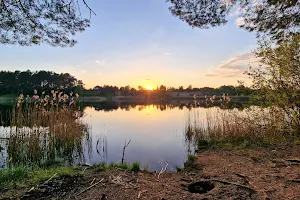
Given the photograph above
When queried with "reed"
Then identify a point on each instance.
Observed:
(45, 129)
(250, 126)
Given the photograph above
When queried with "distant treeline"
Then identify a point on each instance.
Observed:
(127, 90)
(26, 81)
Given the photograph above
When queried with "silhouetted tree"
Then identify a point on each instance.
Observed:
(140, 88)
(189, 88)
(162, 88)
(54, 22)
(79, 88)
(278, 18)
(180, 88)
(24, 82)
(34, 22)
(227, 89)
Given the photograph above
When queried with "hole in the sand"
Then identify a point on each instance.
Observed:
(201, 187)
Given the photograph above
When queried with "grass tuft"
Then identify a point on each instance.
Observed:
(191, 158)
(179, 168)
(21, 176)
(11, 176)
(135, 166)
(37, 176)
(100, 167)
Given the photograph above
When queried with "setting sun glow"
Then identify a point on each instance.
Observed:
(149, 87)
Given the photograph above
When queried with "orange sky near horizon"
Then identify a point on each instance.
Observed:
(195, 80)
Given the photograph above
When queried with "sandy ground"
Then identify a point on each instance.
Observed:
(215, 174)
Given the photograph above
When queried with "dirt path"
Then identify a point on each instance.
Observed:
(215, 174)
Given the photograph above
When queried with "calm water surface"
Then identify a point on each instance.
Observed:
(156, 134)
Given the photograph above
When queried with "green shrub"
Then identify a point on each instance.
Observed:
(135, 167)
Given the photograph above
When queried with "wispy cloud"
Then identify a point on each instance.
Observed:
(211, 75)
(234, 66)
(237, 63)
(230, 75)
(100, 62)
(167, 53)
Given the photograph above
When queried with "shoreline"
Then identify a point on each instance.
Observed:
(120, 98)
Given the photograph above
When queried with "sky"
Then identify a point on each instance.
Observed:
(139, 42)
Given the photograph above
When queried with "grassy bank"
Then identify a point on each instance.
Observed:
(232, 128)
(24, 177)
(17, 181)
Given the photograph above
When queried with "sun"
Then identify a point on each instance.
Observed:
(149, 87)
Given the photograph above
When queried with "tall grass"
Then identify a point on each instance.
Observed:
(46, 128)
(253, 125)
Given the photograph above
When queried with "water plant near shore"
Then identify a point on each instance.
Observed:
(46, 128)
(260, 126)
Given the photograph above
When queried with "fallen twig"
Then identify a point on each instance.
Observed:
(84, 169)
(162, 170)
(134, 186)
(246, 178)
(30, 189)
(139, 195)
(90, 187)
(50, 178)
(92, 181)
(232, 183)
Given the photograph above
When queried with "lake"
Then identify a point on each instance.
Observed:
(156, 133)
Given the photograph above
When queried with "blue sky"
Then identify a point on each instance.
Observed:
(139, 42)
